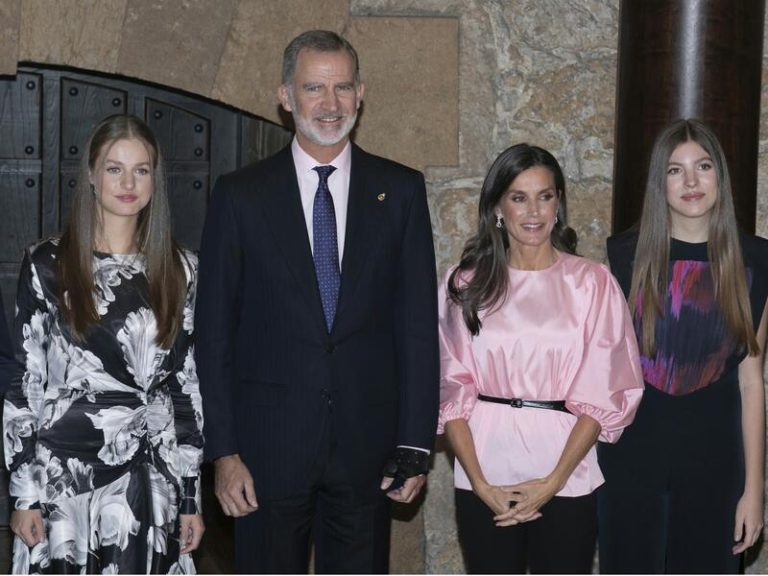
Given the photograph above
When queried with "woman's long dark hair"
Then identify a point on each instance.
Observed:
(165, 271)
(485, 254)
(650, 277)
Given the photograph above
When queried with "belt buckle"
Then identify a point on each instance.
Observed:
(516, 403)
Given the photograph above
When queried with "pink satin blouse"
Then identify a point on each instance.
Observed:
(563, 333)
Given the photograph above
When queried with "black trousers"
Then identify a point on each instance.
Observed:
(562, 541)
(672, 483)
(350, 532)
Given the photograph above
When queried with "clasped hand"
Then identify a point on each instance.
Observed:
(517, 503)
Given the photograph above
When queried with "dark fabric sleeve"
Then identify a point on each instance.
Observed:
(416, 327)
(7, 361)
(621, 256)
(755, 250)
(184, 388)
(24, 399)
(216, 321)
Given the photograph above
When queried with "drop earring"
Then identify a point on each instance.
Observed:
(499, 221)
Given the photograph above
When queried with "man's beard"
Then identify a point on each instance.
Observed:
(321, 137)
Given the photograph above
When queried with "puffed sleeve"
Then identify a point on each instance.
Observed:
(609, 383)
(184, 388)
(24, 399)
(458, 381)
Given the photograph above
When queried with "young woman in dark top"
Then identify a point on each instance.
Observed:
(684, 485)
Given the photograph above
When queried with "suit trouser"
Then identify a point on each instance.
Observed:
(350, 533)
(562, 541)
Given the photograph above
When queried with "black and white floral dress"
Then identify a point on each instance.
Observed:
(104, 435)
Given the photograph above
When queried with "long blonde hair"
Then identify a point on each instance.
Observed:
(650, 270)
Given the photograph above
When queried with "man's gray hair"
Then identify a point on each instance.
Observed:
(322, 41)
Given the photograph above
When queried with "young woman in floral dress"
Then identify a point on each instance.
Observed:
(103, 427)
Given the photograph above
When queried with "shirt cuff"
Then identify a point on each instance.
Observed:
(415, 448)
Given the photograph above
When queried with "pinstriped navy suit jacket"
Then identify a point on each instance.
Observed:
(270, 374)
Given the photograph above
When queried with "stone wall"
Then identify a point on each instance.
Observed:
(451, 83)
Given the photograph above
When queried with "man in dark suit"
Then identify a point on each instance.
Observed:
(317, 333)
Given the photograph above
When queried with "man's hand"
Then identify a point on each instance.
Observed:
(408, 491)
(234, 487)
(408, 467)
(192, 528)
(28, 525)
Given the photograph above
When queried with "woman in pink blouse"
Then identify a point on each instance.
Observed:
(539, 361)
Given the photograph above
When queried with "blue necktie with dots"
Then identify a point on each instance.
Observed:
(326, 246)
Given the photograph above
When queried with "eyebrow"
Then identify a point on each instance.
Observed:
(548, 189)
(707, 157)
(145, 163)
(336, 84)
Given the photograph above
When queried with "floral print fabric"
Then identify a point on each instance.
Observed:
(104, 436)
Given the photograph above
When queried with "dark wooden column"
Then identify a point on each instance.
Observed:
(688, 59)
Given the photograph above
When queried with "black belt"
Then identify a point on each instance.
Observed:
(558, 405)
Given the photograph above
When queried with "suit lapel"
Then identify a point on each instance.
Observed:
(363, 219)
(285, 218)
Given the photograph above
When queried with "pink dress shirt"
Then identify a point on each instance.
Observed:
(563, 333)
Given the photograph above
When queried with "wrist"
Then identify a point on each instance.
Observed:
(753, 488)
(190, 496)
(24, 504)
(556, 481)
(407, 463)
(479, 485)
(223, 460)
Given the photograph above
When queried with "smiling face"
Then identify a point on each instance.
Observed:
(323, 99)
(529, 207)
(122, 178)
(691, 186)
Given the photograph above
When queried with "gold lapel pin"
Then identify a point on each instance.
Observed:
(381, 197)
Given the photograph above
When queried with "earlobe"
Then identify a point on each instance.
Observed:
(360, 93)
(282, 95)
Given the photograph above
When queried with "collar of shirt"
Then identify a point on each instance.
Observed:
(338, 184)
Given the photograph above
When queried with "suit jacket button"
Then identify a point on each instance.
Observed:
(330, 347)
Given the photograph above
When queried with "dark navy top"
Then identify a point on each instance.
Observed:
(694, 347)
